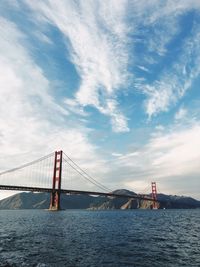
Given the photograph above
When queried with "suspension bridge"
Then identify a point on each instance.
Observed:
(53, 174)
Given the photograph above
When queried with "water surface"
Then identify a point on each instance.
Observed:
(100, 238)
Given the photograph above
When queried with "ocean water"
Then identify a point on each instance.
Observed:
(100, 238)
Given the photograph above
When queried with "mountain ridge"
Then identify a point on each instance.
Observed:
(30, 200)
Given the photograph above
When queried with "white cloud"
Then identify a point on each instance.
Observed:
(32, 124)
(161, 96)
(116, 154)
(180, 152)
(74, 106)
(97, 39)
(95, 33)
(151, 11)
(43, 37)
(155, 25)
(173, 155)
(181, 114)
(160, 128)
(173, 84)
(118, 120)
(143, 68)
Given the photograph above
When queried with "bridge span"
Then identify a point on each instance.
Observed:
(56, 190)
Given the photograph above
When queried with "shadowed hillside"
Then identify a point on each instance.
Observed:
(41, 201)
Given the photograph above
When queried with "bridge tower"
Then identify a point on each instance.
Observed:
(154, 195)
(56, 186)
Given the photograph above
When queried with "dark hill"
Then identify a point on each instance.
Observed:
(124, 192)
(26, 201)
(42, 200)
(177, 202)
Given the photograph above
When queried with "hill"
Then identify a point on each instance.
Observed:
(177, 202)
(41, 201)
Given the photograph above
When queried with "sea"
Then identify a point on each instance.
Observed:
(100, 238)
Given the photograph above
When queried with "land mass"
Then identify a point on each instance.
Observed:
(41, 201)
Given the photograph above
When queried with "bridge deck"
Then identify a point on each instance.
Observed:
(74, 192)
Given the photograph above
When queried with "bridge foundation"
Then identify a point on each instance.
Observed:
(56, 185)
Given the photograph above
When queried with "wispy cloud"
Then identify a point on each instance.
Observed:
(115, 47)
(96, 38)
(96, 35)
(157, 26)
(181, 114)
(143, 68)
(174, 154)
(173, 84)
(31, 122)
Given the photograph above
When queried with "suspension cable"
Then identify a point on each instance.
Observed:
(89, 176)
(84, 175)
(27, 164)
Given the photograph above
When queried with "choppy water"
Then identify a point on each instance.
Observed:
(100, 238)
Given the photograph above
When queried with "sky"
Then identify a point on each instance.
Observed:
(112, 83)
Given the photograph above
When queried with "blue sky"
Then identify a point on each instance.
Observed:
(113, 83)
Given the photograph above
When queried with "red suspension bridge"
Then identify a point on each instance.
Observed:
(52, 174)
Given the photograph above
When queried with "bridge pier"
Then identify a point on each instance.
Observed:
(56, 186)
(55, 201)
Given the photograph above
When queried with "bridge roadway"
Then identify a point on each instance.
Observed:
(73, 192)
